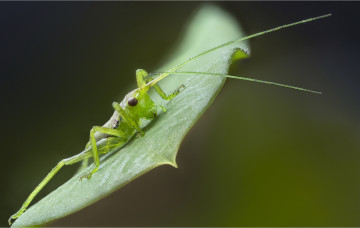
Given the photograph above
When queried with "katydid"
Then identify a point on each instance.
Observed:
(136, 106)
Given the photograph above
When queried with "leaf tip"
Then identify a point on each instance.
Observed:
(173, 164)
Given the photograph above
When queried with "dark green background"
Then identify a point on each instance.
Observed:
(260, 156)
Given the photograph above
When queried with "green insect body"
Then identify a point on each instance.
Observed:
(136, 108)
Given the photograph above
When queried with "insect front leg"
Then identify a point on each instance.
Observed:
(142, 77)
(108, 131)
(161, 92)
(128, 119)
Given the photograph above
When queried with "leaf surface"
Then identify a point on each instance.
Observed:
(209, 27)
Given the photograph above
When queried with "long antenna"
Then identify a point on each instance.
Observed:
(246, 79)
(163, 75)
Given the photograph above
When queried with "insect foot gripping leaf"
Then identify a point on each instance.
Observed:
(210, 27)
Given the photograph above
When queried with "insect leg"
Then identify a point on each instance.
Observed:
(108, 131)
(142, 80)
(161, 92)
(85, 162)
(128, 119)
(67, 161)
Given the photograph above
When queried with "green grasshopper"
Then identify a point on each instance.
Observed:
(136, 106)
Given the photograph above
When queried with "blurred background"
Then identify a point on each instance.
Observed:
(259, 156)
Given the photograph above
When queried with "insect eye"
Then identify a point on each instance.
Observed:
(132, 101)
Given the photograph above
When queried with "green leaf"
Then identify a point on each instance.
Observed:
(209, 27)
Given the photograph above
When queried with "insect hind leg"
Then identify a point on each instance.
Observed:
(67, 161)
(85, 162)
